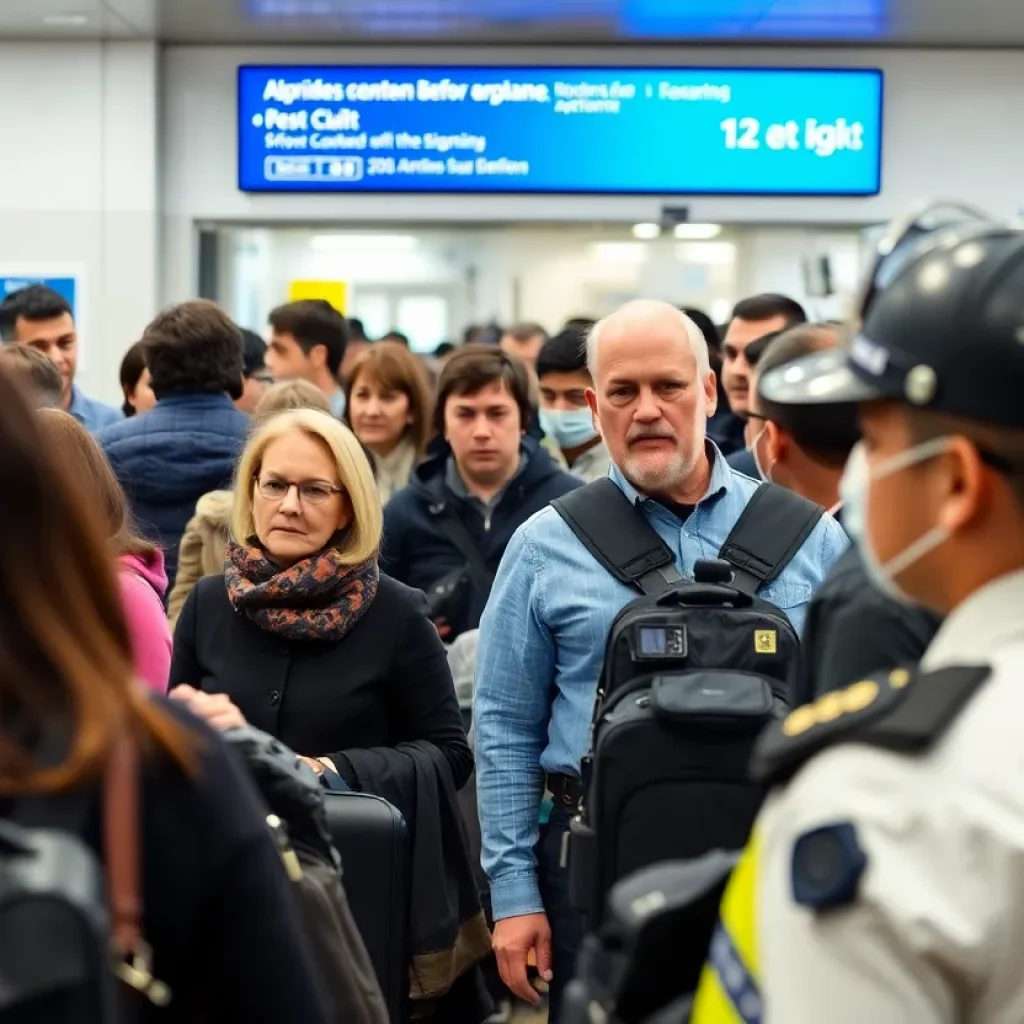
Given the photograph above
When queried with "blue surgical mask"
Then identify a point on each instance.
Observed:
(569, 428)
(854, 491)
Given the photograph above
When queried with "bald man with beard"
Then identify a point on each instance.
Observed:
(542, 636)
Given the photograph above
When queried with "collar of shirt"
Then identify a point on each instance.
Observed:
(79, 404)
(988, 620)
(454, 482)
(721, 482)
(91, 414)
(337, 401)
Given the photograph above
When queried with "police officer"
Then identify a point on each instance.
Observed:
(885, 881)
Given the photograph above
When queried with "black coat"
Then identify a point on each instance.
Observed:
(853, 629)
(416, 549)
(385, 682)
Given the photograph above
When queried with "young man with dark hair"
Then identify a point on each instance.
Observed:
(41, 318)
(852, 627)
(462, 507)
(37, 371)
(254, 371)
(187, 445)
(308, 341)
(398, 338)
(799, 448)
(524, 341)
(565, 416)
(752, 319)
(356, 330)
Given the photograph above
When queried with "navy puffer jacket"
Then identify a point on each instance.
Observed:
(168, 458)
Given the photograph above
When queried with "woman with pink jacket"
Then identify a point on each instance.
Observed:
(140, 564)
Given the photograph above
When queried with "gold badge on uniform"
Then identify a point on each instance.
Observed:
(898, 678)
(831, 706)
(765, 641)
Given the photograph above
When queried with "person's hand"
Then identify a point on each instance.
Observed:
(443, 629)
(513, 940)
(216, 709)
(318, 766)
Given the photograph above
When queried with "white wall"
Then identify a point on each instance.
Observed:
(949, 130)
(543, 273)
(510, 273)
(78, 185)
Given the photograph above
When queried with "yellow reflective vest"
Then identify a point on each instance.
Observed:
(729, 991)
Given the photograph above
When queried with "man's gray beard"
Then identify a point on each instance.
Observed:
(673, 476)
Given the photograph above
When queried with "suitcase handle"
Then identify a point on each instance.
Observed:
(707, 594)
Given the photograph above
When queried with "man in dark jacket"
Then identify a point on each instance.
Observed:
(852, 628)
(169, 458)
(446, 532)
(752, 318)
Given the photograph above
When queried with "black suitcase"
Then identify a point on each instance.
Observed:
(373, 840)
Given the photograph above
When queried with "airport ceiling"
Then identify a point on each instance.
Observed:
(980, 23)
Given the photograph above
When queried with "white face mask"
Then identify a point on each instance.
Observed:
(757, 461)
(855, 489)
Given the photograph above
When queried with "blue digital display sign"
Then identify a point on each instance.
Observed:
(666, 131)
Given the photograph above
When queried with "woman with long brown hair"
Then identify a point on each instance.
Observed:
(140, 565)
(213, 900)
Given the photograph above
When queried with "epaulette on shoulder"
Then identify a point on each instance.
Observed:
(905, 710)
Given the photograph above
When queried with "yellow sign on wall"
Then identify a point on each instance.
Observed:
(333, 292)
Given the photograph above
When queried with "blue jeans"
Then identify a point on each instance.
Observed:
(566, 922)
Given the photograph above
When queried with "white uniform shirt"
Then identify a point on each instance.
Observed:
(936, 933)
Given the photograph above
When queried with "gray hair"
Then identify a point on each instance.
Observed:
(639, 307)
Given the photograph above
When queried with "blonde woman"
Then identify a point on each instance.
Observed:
(301, 636)
(205, 539)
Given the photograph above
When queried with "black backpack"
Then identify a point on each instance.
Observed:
(71, 946)
(692, 673)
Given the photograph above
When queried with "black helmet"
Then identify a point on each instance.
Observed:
(941, 325)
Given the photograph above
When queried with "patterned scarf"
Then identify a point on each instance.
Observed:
(318, 598)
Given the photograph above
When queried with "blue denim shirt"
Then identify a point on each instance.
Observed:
(541, 647)
(93, 415)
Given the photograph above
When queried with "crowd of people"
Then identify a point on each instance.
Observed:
(346, 546)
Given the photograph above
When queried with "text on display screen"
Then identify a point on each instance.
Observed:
(724, 131)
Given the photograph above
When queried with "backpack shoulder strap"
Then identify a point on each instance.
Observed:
(616, 533)
(767, 535)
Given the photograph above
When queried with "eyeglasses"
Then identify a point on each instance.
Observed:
(309, 493)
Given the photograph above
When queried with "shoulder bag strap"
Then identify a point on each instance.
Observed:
(767, 535)
(122, 855)
(618, 535)
(456, 532)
